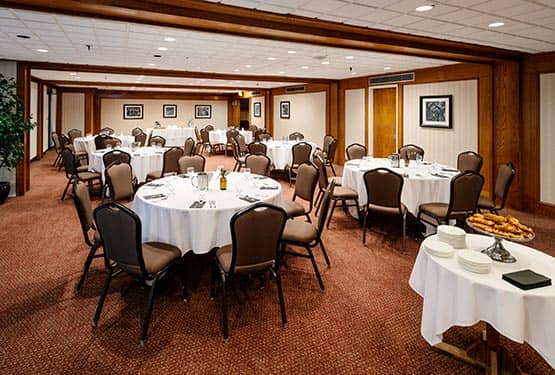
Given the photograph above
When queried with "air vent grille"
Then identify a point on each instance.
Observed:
(405, 77)
(256, 93)
(294, 89)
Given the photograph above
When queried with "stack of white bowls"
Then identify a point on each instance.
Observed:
(438, 248)
(452, 235)
(474, 261)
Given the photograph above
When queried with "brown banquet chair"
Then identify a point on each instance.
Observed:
(157, 140)
(503, 183)
(307, 178)
(169, 165)
(409, 150)
(189, 147)
(257, 148)
(141, 138)
(355, 151)
(258, 164)
(296, 135)
(107, 130)
(72, 174)
(256, 233)
(120, 182)
(195, 161)
(136, 131)
(239, 158)
(74, 133)
(120, 231)
(300, 154)
(469, 161)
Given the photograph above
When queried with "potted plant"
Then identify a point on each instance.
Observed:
(12, 129)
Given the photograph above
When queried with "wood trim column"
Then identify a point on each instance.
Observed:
(89, 111)
(97, 113)
(269, 105)
(400, 114)
(59, 109)
(22, 176)
(40, 119)
(333, 126)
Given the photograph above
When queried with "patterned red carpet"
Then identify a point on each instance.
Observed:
(368, 321)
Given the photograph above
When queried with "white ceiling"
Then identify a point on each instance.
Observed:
(529, 24)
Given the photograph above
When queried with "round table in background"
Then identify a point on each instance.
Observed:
(174, 136)
(143, 161)
(280, 152)
(87, 144)
(219, 136)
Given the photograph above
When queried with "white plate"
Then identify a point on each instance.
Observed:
(474, 258)
(438, 248)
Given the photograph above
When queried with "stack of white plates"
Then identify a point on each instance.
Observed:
(437, 248)
(452, 235)
(474, 261)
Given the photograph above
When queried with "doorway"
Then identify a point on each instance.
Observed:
(384, 121)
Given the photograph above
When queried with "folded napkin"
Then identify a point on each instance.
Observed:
(198, 204)
(246, 198)
(154, 184)
(154, 196)
(269, 187)
(440, 175)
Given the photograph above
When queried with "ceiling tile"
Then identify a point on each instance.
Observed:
(322, 6)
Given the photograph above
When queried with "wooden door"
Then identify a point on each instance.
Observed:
(385, 115)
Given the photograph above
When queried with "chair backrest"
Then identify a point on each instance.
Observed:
(256, 234)
(307, 178)
(136, 131)
(83, 206)
(355, 151)
(107, 130)
(119, 177)
(64, 140)
(57, 142)
(231, 134)
(209, 127)
(120, 231)
(114, 142)
(204, 135)
(264, 137)
(195, 161)
(99, 141)
(171, 160)
(115, 155)
(325, 207)
(74, 133)
(383, 188)
(330, 154)
(188, 147)
(301, 153)
(157, 139)
(197, 134)
(257, 148)
(198, 149)
(235, 148)
(327, 141)
(320, 164)
(141, 138)
(464, 194)
(242, 144)
(296, 135)
(258, 163)
(69, 163)
(469, 161)
(503, 183)
(410, 151)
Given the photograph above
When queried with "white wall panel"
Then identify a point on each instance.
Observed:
(34, 111)
(73, 111)
(443, 145)
(307, 115)
(547, 138)
(112, 114)
(258, 121)
(354, 116)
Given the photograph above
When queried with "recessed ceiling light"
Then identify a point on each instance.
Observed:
(162, 48)
(248, 66)
(496, 24)
(42, 50)
(349, 57)
(169, 39)
(387, 68)
(281, 72)
(151, 64)
(72, 74)
(325, 62)
(22, 36)
(291, 52)
(424, 8)
(236, 70)
(77, 77)
(353, 73)
(271, 58)
(304, 67)
(237, 81)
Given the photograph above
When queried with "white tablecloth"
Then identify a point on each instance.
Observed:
(87, 144)
(420, 187)
(143, 161)
(280, 152)
(219, 136)
(200, 230)
(174, 136)
(456, 297)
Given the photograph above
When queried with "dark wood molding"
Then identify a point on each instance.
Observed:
(162, 95)
(44, 65)
(268, 112)
(59, 109)
(40, 119)
(219, 18)
(89, 111)
(97, 113)
(22, 175)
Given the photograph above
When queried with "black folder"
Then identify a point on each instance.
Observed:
(527, 279)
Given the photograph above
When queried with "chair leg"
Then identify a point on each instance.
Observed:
(331, 213)
(224, 308)
(417, 225)
(67, 187)
(102, 297)
(86, 266)
(213, 276)
(280, 296)
(183, 266)
(404, 232)
(311, 255)
(148, 313)
(324, 252)
(317, 202)
(364, 223)
(333, 169)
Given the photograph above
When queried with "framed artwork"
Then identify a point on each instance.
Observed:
(285, 109)
(132, 111)
(169, 110)
(436, 111)
(203, 111)
(257, 109)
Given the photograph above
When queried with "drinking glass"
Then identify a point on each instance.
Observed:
(247, 172)
(418, 158)
(190, 172)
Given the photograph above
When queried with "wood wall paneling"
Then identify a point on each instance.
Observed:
(89, 111)
(385, 112)
(40, 120)
(269, 113)
(59, 109)
(22, 176)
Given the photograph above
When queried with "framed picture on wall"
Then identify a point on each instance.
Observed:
(169, 110)
(436, 111)
(285, 109)
(132, 111)
(203, 111)
(257, 109)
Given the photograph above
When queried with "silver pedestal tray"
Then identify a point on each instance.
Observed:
(497, 251)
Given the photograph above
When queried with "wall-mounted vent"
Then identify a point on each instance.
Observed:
(256, 93)
(294, 89)
(405, 77)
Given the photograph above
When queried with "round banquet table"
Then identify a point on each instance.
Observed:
(143, 161)
(170, 219)
(422, 185)
(454, 296)
(173, 135)
(219, 136)
(87, 144)
(280, 152)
